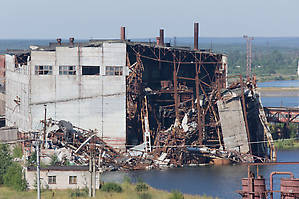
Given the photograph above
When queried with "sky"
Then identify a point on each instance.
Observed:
(87, 19)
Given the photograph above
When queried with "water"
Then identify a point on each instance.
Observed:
(221, 182)
(276, 101)
(279, 84)
(216, 181)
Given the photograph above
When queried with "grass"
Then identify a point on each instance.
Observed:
(129, 192)
(286, 144)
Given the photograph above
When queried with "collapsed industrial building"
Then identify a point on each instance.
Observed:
(135, 105)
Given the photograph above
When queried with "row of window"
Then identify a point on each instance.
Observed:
(86, 70)
(52, 179)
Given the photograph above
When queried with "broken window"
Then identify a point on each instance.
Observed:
(67, 70)
(43, 70)
(114, 70)
(90, 70)
(73, 180)
(51, 179)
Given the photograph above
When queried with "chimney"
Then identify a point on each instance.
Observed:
(158, 40)
(71, 40)
(162, 37)
(195, 36)
(123, 33)
(58, 41)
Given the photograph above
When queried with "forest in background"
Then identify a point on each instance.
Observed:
(272, 58)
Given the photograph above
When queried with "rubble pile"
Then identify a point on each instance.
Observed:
(179, 145)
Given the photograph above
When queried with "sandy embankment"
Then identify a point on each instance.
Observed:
(275, 91)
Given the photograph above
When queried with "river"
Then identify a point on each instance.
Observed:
(279, 100)
(218, 181)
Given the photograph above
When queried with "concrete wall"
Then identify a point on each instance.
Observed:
(62, 179)
(17, 95)
(233, 124)
(2, 69)
(2, 104)
(87, 101)
(8, 134)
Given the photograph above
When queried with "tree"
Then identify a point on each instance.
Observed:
(14, 177)
(32, 159)
(5, 160)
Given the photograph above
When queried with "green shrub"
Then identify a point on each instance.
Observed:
(14, 177)
(78, 193)
(144, 196)
(176, 195)
(141, 187)
(5, 160)
(54, 160)
(17, 152)
(31, 159)
(284, 144)
(111, 187)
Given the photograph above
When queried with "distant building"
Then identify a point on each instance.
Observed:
(61, 177)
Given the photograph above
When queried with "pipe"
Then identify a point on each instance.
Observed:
(123, 33)
(162, 37)
(195, 36)
(58, 41)
(72, 40)
(158, 40)
(277, 173)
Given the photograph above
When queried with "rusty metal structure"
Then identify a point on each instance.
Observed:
(255, 186)
(180, 110)
(173, 97)
(282, 114)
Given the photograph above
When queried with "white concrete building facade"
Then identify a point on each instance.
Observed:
(83, 85)
(61, 177)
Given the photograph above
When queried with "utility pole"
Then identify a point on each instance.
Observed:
(248, 56)
(38, 168)
(93, 177)
(45, 126)
(90, 181)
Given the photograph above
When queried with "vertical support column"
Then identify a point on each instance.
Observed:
(195, 36)
(93, 177)
(45, 127)
(175, 84)
(90, 180)
(123, 33)
(200, 133)
(245, 114)
(162, 37)
(38, 168)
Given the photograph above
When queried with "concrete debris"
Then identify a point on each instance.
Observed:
(228, 136)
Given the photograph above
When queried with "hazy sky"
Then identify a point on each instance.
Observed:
(143, 18)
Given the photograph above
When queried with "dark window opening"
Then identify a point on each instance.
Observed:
(90, 70)
(72, 179)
